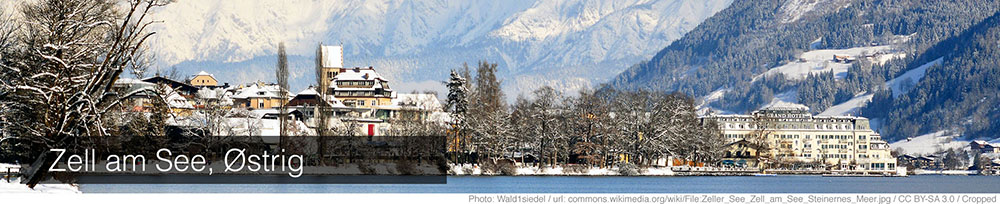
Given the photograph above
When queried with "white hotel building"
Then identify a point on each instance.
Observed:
(840, 142)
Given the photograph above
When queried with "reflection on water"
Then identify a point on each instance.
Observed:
(571, 184)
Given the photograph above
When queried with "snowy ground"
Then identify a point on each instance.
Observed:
(943, 172)
(849, 107)
(786, 99)
(928, 143)
(704, 106)
(16, 187)
(558, 171)
(820, 61)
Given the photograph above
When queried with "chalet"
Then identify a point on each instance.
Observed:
(983, 147)
(842, 58)
(993, 168)
(203, 79)
(259, 96)
(361, 87)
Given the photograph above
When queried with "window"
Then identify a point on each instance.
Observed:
(361, 102)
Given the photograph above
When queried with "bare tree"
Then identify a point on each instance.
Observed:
(320, 118)
(8, 27)
(763, 126)
(281, 74)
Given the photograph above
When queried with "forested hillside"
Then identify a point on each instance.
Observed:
(756, 50)
(963, 93)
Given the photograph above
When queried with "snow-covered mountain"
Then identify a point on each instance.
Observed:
(566, 44)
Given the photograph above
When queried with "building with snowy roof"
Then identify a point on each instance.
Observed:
(259, 96)
(792, 134)
(983, 146)
(184, 89)
(203, 79)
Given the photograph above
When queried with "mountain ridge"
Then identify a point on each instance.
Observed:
(535, 42)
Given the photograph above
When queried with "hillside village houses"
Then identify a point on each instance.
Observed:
(793, 135)
(357, 96)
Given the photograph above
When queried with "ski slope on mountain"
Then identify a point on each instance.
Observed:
(904, 82)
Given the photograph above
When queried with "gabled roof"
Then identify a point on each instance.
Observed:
(255, 91)
(172, 83)
(203, 73)
(359, 74)
(310, 94)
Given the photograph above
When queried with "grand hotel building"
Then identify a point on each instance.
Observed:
(793, 134)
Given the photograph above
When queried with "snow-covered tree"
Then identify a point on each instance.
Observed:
(589, 122)
(457, 107)
(59, 70)
(487, 116)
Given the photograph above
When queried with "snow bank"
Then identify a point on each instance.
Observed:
(928, 143)
(473, 170)
(15, 186)
(944, 172)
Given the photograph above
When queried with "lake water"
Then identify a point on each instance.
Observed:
(574, 184)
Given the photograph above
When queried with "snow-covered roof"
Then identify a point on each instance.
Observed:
(782, 105)
(308, 92)
(175, 100)
(255, 91)
(330, 100)
(203, 73)
(261, 112)
(333, 56)
(358, 74)
(131, 81)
